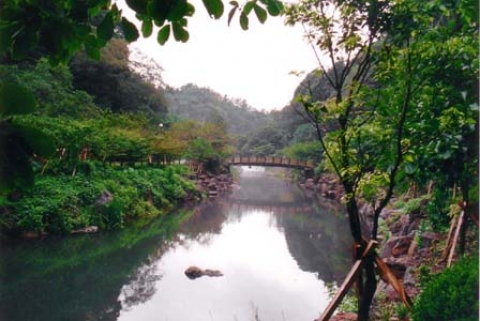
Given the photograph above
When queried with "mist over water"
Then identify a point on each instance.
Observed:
(276, 248)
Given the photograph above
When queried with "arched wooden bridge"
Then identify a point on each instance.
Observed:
(271, 161)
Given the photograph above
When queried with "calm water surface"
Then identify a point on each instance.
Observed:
(276, 248)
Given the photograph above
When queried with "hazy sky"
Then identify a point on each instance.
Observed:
(254, 65)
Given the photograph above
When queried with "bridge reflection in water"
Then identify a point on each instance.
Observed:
(268, 206)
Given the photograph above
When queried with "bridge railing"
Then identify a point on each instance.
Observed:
(269, 161)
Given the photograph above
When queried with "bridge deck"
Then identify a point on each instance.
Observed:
(269, 161)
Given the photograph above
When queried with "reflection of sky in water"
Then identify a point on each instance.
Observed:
(259, 273)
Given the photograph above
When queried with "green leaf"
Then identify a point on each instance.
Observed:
(92, 47)
(260, 12)
(178, 11)
(163, 35)
(6, 33)
(106, 27)
(129, 30)
(139, 6)
(23, 42)
(40, 143)
(232, 13)
(243, 21)
(274, 7)
(15, 99)
(15, 172)
(248, 7)
(15, 168)
(179, 32)
(147, 28)
(214, 8)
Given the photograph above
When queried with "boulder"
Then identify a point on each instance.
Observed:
(397, 246)
(212, 185)
(398, 267)
(104, 198)
(399, 226)
(309, 183)
(86, 230)
(429, 238)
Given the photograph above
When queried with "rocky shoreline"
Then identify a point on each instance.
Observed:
(404, 247)
(213, 185)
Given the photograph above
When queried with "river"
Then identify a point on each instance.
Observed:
(277, 249)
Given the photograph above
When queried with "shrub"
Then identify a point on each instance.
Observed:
(451, 295)
(62, 203)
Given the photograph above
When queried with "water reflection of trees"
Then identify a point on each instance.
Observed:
(93, 277)
(258, 187)
(205, 222)
(317, 243)
(313, 234)
(141, 288)
(81, 278)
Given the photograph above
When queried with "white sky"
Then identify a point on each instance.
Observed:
(254, 65)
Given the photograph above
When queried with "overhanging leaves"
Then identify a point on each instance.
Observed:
(147, 28)
(163, 35)
(214, 8)
(38, 142)
(260, 12)
(129, 30)
(15, 100)
(274, 7)
(139, 6)
(243, 21)
(232, 11)
(105, 29)
(179, 32)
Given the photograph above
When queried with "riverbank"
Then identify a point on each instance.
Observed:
(276, 260)
(97, 198)
(409, 245)
(100, 197)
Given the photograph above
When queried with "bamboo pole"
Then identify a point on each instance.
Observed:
(455, 238)
(448, 243)
(388, 276)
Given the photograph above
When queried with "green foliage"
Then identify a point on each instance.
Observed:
(61, 204)
(206, 106)
(52, 88)
(115, 85)
(18, 143)
(304, 151)
(264, 141)
(438, 208)
(450, 295)
(64, 27)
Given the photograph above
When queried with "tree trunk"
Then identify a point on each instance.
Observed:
(367, 282)
(465, 205)
(369, 288)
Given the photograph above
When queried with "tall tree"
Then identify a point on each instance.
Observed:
(374, 57)
(115, 85)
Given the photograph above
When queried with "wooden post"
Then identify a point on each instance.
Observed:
(347, 283)
(455, 238)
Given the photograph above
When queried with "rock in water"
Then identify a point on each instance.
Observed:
(194, 272)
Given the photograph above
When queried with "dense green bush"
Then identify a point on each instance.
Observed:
(62, 203)
(451, 295)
